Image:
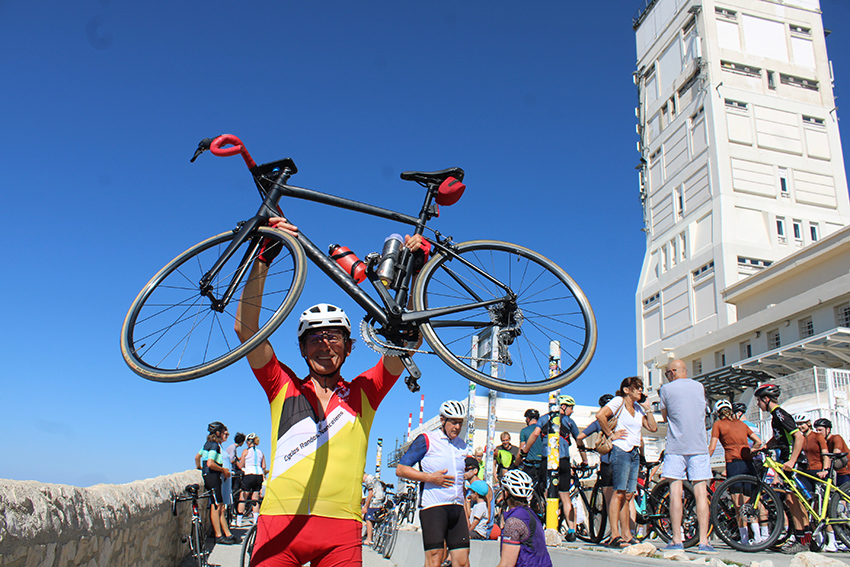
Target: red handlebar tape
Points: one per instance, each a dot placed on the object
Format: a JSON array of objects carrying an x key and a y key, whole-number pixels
[{"x": 237, "y": 147}]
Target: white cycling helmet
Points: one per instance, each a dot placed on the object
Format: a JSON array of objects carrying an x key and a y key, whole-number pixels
[
  {"x": 722, "y": 404},
  {"x": 801, "y": 418},
  {"x": 518, "y": 484},
  {"x": 322, "y": 315},
  {"x": 452, "y": 409}
]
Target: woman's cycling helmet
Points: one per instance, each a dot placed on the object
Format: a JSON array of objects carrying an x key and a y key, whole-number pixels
[
  {"x": 823, "y": 422},
  {"x": 801, "y": 418},
  {"x": 739, "y": 407},
  {"x": 251, "y": 437},
  {"x": 452, "y": 409},
  {"x": 605, "y": 399},
  {"x": 518, "y": 484},
  {"x": 322, "y": 315},
  {"x": 721, "y": 404},
  {"x": 480, "y": 487},
  {"x": 215, "y": 427},
  {"x": 566, "y": 401},
  {"x": 768, "y": 391},
  {"x": 532, "y": 413}
]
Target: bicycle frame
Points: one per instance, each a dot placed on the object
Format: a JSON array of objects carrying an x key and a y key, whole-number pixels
[
  {"x": 392, "y": 315},
  {"x": 822, "y": 517}
]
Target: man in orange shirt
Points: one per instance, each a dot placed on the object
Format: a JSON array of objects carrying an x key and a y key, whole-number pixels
[{"x": 835, "y": 444}]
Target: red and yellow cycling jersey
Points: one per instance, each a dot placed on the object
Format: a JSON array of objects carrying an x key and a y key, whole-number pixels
[{"x": 318, "y": 456}]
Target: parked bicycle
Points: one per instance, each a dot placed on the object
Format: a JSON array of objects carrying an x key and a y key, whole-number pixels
[
  {"x": 407, "y": 501},
  {"x": 196, "y": 539},
  {"x": 248, "y": 547},
  {"x": 587, "y": 517},
  {"x": 385, "y": 530},
  {"x": 178, "y": 326},
  {"x": 753, "y": 499}
]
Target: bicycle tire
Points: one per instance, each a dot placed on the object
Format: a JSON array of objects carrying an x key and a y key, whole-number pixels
[
  {"x": 248, "y": 547},
  {"x": 839, "y": 508},
  {"x": 170, "y": 307},
  {"x": 723, "y": 509},
  {"x": 390, "y": 536},
  {"x": 199, "y": 543},
  {"x": 658, "y": 507},
  {"x": 585, "y": 531},
  {"x": 549, "y": 306}
]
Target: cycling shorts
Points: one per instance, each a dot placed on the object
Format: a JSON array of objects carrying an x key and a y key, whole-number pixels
[
  {"x": 606, "y": 475},
  {"x": 252, "y": 482},
  {"x": 284, "y": 541},
  {"x": 212, "y": 481},
  {"x": 446, "y": 523}
]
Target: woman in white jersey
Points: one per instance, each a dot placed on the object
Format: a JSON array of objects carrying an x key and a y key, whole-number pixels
[{"x": 253, "y": 464}]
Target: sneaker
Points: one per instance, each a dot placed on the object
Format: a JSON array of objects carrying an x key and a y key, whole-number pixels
[
  {"x": 793, "y": 547},
  {"x": 673, "y": 547},
  {"x": 571, "y": 536},
  {"x": 706, "y": 549},
  {"x": 831, "y": 548}
]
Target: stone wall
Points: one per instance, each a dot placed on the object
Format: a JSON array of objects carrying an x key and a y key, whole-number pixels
[{"x": 107, "y": 525}]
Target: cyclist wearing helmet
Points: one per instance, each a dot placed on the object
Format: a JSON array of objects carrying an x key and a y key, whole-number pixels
[
  {"x": 788, "y": 441},
  {"x": 320, "y": 430},
  {"x": 835, "y": 444},
  {"x": 440, "y": 454},
  {"x": 733, "y": 435},
  {"x": 523, "y": 537},
  {"x": 531, "y": 454},
  {"x": 606, "y": 479},
  {"x": 211, "y": 462},
  {"x": 567, "y": 429}
]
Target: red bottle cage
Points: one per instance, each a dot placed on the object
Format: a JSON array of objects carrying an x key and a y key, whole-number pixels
[{"x": 236, "y": 148}]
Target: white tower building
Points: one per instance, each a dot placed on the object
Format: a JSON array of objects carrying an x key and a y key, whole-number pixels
[{"x": 741, "y": 164}]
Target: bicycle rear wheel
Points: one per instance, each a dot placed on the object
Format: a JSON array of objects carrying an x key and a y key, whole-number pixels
[
  {"x": 174, "y": 333},
  {"x": 248, "y": 547},
  {"x": 658, "y": 508},
  {"x": 535, "y": 302},
  {"x": 757, "y": 500},
  {"x": 390, "y": 536},
  {"x": 198, "y": 542}
]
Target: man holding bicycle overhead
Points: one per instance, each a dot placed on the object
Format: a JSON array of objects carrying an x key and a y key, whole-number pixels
[
  {"x": 320, "y": 431},
  {"x": 788, "y": 441}
]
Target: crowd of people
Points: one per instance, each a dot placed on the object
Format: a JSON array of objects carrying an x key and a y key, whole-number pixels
[{"x": 313, "y": 508}]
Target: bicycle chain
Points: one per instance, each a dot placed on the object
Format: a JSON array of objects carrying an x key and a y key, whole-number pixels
[{"x": 371, "y": 338}]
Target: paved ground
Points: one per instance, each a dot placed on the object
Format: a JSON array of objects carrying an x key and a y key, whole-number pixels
[{"x": 408, "y": 554}]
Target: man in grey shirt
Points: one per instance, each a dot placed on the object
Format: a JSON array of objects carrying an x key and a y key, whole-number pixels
[{"x": 686, "y": 455}]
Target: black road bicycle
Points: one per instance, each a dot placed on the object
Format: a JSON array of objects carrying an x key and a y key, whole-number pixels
[
  {"x": 196, "y": 539},
  {"x": 385, "y": 529},
  {"x": 488, "y": 309}
]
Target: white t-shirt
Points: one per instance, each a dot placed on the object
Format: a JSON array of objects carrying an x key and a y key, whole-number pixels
[
  {"x": 631, "y": 423},
  {"x": 479, "y": 511}
]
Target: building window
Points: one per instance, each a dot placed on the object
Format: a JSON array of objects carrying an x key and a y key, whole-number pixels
[
  {"x": 683, "y": 244},
  {"x": 740, "y": 69},
  {"x": 651, "y": 300},
  {"x": 726, "y": 14},
  {"x": 783, "y": 182},
  {"x": 807, "y": 328},
  {"x": 696, "y": 367},
  {"x": 735, "y": 105},
  {"x": 780, "y": 230},
  {"x": 814, "y": 231},
  {"x": 674, "y": 252},
  {"x": 773, "y": 339},
  {"x": 812, "y": 121},
  {"x": 842, "y": 315},
  {"x": 800, "y": 30},
  {"x": 746, "y": 350},
  {"x": 702, "y": 270},
  {"x": 798, "y": 232},
  {"x": 800, "y": 82},
  {"x": 679, "y": 195},
  {"x": 771, "y": 80},
  {"x": 719, "y": 359}
]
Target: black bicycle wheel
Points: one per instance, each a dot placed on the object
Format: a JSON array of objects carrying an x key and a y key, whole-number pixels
[
  {"x": 174, "y": 333},
  {"x": 757, "y": 500},
  {"x": 198, "y": 542},
  {"x": 390, "y": 536},
  {"x": 839, "y": 513},
  {"x": 593, "y": 515},
  {"x": 658, "y": 510},
  {"x": 534, "y": 303},
  {"x": 248, "y": 547}
]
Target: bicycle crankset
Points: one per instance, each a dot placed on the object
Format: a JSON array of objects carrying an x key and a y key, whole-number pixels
[{"x": 377, "y": 342}]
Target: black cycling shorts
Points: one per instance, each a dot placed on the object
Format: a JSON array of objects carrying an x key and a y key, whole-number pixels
[
  {"x": 606, "y": 475},
  {"x": 212, "y": 481},
  {"x": 565, "y": 478},
  {"x": 252, "y": 482},
  {"x": 446, "y": 523}
]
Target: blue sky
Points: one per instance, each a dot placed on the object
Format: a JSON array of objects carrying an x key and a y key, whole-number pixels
[{"x": 104, "y": 102}]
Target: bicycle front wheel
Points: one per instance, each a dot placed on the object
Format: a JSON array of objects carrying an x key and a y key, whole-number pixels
[
  {"x": 248, "y": 547},
  {"x": 199, "y": 543},
  {"x": 746, "y": 498},
  {"x": 505, "y": 344},
  {"x": 390, "y": 536},
  {"x": 176, "y": 331},
  {"x": 839, "y": 513},
  {"x": 658, "y": 508}
]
